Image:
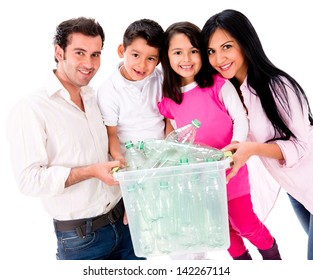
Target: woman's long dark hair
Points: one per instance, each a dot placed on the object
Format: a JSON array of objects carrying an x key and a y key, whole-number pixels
[
  {"x": 263, "y": 76},
  {"x": 172, "y": 81}
]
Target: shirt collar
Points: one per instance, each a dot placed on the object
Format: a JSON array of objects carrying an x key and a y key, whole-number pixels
[
  {"x": 244, "y": 88},
  {"x": 189, "y": 87},
  {"x": 54, "y": 86}
]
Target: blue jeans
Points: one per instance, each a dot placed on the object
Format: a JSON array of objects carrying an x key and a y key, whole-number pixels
[
  {"x": 112, "y": 242},
  {"x": 306, "y": 220}
]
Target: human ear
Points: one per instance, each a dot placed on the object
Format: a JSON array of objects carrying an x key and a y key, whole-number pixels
[
  {"x": 120, "y": 50},
  {"x": 58, "y": 52}
]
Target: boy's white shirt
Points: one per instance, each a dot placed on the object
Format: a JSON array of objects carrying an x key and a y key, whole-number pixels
[{"x": 134, "y": 111}]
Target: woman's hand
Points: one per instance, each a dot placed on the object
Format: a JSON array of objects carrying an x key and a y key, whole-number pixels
[{"x": 241, "y": 153}]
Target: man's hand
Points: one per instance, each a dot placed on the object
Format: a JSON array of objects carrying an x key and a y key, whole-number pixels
[{"x": 103, "y": 171}]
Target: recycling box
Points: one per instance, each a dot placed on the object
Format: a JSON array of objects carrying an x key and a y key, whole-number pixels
[{"x": 177, "y": 209}]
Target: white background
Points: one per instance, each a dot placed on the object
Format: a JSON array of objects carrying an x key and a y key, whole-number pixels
[{"x": 28, "y": 244}]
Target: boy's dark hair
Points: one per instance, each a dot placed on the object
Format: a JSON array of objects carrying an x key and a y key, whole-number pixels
[
  {"x": 86, "y": 26},
  {"x": 146, "y": 29},
  {"x": 172, "y": 81}
]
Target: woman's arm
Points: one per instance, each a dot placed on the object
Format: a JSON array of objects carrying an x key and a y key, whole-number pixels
[
  {"x": 243, "y": 151},
  {"x": 230, "y": 98}
]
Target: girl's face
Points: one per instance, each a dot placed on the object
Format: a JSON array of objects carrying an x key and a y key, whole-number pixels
[
  {"x": 140, "y": 60},
  {"x": 184, "y": 58},
  {"x": 226, "y": 57}
]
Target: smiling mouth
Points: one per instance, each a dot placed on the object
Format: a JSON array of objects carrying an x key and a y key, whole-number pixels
[
  {"x": 226, "y": 67},
  {"x": 85, "y": 72},
  {"x": 184, "y": 67},
  {"x": 139, "y": 72}
]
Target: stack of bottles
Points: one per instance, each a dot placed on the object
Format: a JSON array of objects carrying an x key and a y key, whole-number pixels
[
  {"x": 175, "y": 195},
  {"x": 153, "y": 153}
]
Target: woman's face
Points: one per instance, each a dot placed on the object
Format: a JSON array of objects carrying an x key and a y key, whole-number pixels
[{"x": 225, "y": 55}]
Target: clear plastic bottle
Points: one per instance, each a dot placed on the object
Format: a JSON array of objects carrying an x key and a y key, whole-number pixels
[
  {"x": 164, "y": 223},
  {"x": 141, "y": 228},
  {"x": 134, "y": 159},
  {"x": 186, "y": 209},
  {"x": 140, "y": 146},
  {"x": 215, "y": 203},
  {"x": 163, "y": 156},
  {"x": 204, "y": 153},
  {"x": 147, "y": 198},
  {"x": 150, "y": 146},
  {"x": 200, "y": 217},
  {"x": 184, "y": 134}
]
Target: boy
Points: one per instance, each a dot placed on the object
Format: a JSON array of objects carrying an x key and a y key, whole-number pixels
[{"x": 128, "y": 98}]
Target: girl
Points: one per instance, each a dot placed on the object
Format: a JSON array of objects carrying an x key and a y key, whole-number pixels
[
  {"x": 279, "y": 115},
  {"x": 190, "y": 93}
]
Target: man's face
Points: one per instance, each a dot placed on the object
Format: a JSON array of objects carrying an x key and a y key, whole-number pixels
[{"x": 80, "y": 61}]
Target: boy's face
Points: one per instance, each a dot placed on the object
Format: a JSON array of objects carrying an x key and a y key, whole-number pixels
[{"x": 140, "y": 60}]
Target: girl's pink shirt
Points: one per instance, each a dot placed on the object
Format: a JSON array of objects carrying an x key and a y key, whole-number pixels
[{"x": 216, "y": 125}]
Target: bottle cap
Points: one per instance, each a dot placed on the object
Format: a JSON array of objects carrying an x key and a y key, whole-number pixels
[
  {"x": 140, "y": 145},
  {"x": 163, "y": 185},
  {"x": 131, "y": 188},
  {"x": 129, "y": 144},
  {"x": 196, "y": 123},
  {"x": 184, "y": 161}
]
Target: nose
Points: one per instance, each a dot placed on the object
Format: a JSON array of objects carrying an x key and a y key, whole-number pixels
[
  {"x": 219, "y": 57},
  {"x": 88, "y": 62},
  {"x": 142, "y": 63},
  {"x": 186, "y": 57}
]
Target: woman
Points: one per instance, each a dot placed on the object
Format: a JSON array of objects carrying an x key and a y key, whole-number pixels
[{"x": 280, "y": 119}]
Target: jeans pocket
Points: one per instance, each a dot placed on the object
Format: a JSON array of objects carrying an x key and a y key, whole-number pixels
[{"x": 70, "y": 240}]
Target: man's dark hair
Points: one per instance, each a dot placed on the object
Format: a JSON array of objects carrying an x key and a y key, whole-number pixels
[{"x": 86, "y": 26}]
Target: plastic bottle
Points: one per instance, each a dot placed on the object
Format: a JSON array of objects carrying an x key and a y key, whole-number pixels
[
  {"x": 144, "y": 239},
  {"x": 140, "y": 146},
  {"x": 184, "y": 134},
  {"x": 147, "y": 198},
  {"x": 163, "y": 156},
  {"x": 186, "y": 208},
  {"x": 165, "y": 221},
  {"x": 204, "y": 153},
  {"x": 200, "y": 217},
  {"x": 134, "y": 159},
  {"x": 215, "y": 201}
]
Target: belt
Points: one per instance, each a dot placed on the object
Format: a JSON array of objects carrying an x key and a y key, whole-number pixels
[{"x": 97, "y": 222}]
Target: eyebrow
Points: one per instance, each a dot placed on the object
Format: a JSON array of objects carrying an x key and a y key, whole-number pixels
[
  {"x": 175, "y": 49},
  {"x": 83, "y": 50},
  {"x": 134, "y": 50},
  {"x": 80, "y": 49},
  {"x": 230, "y": 41}
]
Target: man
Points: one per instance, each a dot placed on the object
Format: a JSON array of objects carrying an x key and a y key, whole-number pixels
[{"x": 59, "y": 149}]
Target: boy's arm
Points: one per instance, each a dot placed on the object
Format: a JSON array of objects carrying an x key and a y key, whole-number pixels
[
  {"x": 114, "y": 144},
  {"x": 168, "y": 126}
]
